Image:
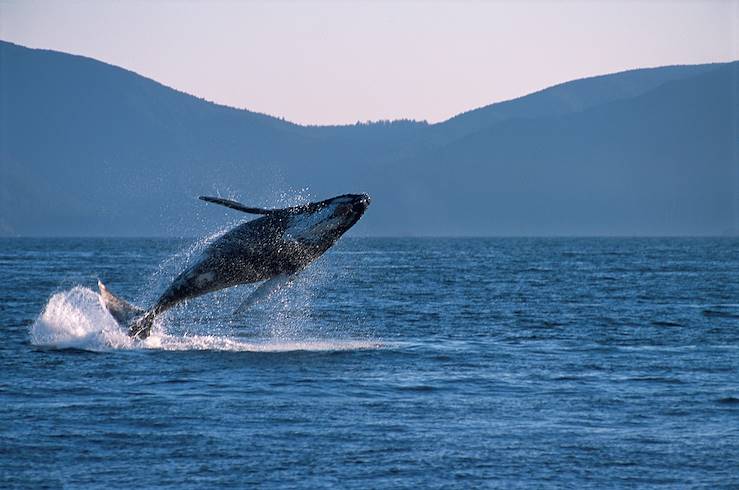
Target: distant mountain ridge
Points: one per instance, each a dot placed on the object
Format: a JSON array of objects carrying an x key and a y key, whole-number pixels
[
  {"x": 87, "y": 148},
  {"x": 576, "y": 95}
]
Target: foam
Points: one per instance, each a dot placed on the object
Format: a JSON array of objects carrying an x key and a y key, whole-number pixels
[
  {"x": 222, "y": 343},
  {"x": 77, "y": 319}
]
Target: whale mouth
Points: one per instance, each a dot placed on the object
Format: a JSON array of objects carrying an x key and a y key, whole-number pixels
[
  {"x": 365, "y": 200},
  {"x": 360, "y": 204},
  {"x": 354, "y": 208}
]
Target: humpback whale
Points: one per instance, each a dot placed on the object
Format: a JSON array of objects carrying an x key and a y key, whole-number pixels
[{"x": 273, "y": 249}]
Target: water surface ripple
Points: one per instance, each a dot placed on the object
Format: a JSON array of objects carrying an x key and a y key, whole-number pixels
[{"x": 427, "y": 363}]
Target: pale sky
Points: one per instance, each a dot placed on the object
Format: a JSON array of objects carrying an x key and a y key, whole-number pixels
[{"x": 338, "y": 62}]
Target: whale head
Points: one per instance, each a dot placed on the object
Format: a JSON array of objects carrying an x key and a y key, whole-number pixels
[{"x": 324, "y": 222}]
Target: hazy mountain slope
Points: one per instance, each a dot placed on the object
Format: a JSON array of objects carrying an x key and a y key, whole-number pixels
[
  {"x": 92, "y": 142},
  {"x": 665, "y": 162},
  {"x": 89, "y": 148},
  {"x": 95, "y": 148},
  {"x": 573, "y": 96}
]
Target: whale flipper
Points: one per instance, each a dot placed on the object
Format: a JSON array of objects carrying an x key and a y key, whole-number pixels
[
  {"x": 265, "y": 290},
  {"x": 236, "y": 205}
]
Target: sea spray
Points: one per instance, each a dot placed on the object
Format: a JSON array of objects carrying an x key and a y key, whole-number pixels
[{"x": 76, "y": 319}]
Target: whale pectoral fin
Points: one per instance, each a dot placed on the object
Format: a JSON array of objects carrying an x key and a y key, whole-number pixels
[
  {"x": 236, "y": 205},
  {"x": 265, "y": 290}
]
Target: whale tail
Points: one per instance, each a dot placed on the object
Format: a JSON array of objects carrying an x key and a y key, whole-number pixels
[{"x": 137, "y": 320}]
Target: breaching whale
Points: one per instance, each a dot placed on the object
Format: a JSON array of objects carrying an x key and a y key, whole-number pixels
[{"x": 273, "y": 249}]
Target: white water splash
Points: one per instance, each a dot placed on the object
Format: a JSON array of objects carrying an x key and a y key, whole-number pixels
[{"x": 76, "y": 318}]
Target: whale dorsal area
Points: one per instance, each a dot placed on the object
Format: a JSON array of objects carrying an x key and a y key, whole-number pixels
[{"x": 236, "y": 205}]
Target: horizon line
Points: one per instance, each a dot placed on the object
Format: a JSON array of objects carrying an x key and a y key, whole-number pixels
[{"x": 732, "y": 235}]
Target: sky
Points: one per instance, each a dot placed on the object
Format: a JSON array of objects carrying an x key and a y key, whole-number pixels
[{"x": 332, "y": 62}]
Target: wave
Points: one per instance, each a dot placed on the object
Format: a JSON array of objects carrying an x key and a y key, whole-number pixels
[{"x": 77, "y": 319}]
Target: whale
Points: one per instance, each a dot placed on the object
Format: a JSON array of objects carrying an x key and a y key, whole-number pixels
[{"x": 271, "y": 249}]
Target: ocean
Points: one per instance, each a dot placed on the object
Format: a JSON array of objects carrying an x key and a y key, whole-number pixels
[{"x": 405, "y": 363}]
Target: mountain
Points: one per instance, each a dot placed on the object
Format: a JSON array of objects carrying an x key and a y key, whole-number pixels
[
  {"x": 662, "y": 163},
  {"x": 87, "y": 148},
  {"x": 574, "y": 96}
]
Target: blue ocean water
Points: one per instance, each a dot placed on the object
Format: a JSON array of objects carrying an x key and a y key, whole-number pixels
[{"x": 511, "y": 363}]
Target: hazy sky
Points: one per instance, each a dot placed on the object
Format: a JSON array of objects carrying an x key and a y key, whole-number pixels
[{"x": 339, "y": 62}]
